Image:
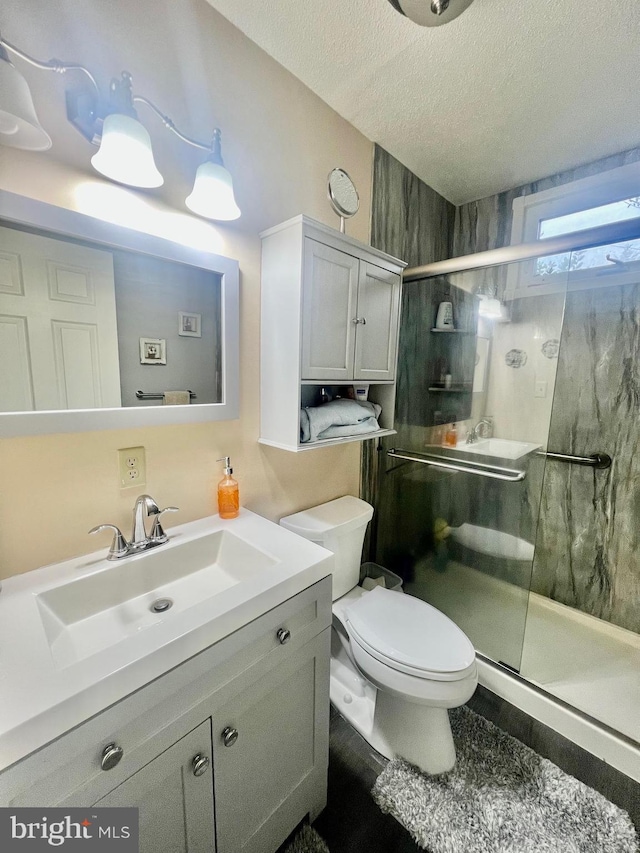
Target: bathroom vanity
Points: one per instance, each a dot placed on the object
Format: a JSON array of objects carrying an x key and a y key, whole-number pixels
[{"x": 212, "y": 720}]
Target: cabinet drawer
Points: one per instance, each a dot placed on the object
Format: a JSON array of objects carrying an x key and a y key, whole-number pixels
[{"x": 68, "y": 771}]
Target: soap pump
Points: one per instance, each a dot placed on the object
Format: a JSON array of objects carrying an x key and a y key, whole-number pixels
[{"x": 228, "y": 493}]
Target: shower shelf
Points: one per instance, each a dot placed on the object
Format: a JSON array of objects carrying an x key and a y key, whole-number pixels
[
  {"x": 455, "y": 389},
  {"x": 452, "y": 332}
]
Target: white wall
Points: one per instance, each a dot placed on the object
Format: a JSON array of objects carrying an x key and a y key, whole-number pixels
[{"x": 280, "y": 141}]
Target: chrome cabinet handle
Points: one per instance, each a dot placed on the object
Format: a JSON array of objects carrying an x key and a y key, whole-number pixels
[
  {"x": 361, "y": 320},
  {"x": 200, "y": 764},
  {"x": 283, "y": 635},
  {"x": 111, "y": 755},
  {"x": 229, "y": 736}
]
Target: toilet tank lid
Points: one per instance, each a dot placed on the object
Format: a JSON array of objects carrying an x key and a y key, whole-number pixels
[{"x": 343, "y": 514}]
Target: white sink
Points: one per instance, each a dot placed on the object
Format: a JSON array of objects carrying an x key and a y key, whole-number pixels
[
  {"x": 78, "y": 636},
  {"x": 502, "y": 448},
  {"x": 93, "y": 613}
]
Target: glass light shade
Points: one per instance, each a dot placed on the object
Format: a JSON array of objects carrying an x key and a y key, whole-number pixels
[
  {"x": 125, "y": 153},
  {"x": 212, "y": 194},
  {"x": 19, "y": 125}
]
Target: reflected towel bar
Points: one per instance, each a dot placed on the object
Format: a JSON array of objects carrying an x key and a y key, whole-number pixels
[
  {"x": 142, "y": 395},
  {"x": 493, "y": 472},
  {"x": 596, "y": 460}
]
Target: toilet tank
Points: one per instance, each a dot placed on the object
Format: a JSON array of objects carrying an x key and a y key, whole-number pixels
[{"x": 339, "y": 526}]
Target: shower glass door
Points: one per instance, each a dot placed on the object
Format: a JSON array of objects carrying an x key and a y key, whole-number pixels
[{"x": 458, "y": 507}]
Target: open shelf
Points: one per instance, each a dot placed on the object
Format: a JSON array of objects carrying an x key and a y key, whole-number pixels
[{"x": 452, "y": 332}]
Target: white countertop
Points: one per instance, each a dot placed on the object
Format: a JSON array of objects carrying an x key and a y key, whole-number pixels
[{"x": 40, "y": 700}]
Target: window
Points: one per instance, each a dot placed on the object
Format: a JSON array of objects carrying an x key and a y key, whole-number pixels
[{"x": 609, "y": 197}]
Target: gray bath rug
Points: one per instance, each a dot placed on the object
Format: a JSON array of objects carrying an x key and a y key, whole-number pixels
[
  {"x": 307, "y": 840},
  {"x": 501, "y": 797}
]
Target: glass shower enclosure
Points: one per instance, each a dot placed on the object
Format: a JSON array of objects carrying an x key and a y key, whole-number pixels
[{"x": 493, "y": 496}]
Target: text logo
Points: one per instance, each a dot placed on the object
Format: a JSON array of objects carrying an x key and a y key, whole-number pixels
[{"x": 103, "y": 830}]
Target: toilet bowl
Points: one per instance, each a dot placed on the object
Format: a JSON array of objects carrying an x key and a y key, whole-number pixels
[{"x": 397, "y": 663}]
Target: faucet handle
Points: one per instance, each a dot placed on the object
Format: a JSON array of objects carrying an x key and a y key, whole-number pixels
[
  {"x": 157, "y": 535},
  {"x": 119, "y": 546}
]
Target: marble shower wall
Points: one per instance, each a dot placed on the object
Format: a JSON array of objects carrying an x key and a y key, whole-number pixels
[
  {"x": 589, "y": 532},
  {"x": 413, "y": 222}
]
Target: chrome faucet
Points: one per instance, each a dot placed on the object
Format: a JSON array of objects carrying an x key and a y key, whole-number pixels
[
  {"x": 477, "y": 431},
  {"x": 140, "y": 540}
]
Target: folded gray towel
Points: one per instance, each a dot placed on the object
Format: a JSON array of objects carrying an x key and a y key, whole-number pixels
[{"x": 338, "y": 419}]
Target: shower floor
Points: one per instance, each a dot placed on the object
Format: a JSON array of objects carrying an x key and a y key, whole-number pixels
[{"x": 584, "y": 661}]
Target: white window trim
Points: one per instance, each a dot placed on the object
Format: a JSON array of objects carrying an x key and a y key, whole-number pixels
[{"x": 528, "y": 210}]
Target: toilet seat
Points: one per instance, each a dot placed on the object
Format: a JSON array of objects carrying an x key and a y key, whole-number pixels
[{"x": 410, "y": 636}]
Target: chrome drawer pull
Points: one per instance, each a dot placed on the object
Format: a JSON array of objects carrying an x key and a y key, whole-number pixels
[
  {"x": 283, "y": 635},
  {"x": 229, "y": 736},
  {"x": 111, "y": 755},
  {"x": 200, "y": 764}
]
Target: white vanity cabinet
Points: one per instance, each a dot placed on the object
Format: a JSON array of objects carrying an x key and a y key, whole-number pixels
[
  {"x": 330, "y": 317},
  {"x": 227, "y": 752}
]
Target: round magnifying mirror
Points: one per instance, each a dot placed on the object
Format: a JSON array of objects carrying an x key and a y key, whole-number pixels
[{"x": 342, "y": 195}]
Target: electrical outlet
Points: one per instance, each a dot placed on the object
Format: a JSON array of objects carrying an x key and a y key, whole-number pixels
[{"x": 132, "y": 467}]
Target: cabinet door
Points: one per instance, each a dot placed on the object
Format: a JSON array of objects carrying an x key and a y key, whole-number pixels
[
  {"x": 275, "y": 772},
  {"x": 176, "y": 806},
  {"x": 377, "y": 330},
  {"x": 330, "y": 285}
]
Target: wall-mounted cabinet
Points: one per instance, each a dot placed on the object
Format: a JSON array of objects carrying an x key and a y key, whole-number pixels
[{"x": 330, "y": 317}]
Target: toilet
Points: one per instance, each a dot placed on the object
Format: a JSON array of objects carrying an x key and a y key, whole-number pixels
[{"x": 397, "y": 663}]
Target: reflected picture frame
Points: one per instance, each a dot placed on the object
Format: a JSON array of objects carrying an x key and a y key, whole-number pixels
[
  {"x": 189, "y": 324},
  {"x": 153, "y": 351}
]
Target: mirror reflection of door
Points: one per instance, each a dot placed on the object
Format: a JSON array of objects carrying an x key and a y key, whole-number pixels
[{"x": 58, "y": 333}]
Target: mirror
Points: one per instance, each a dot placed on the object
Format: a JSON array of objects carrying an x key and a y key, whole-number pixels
[{"x": 105, "y": 327}]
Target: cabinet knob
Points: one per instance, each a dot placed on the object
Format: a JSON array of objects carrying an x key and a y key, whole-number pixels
[
  {"x": 283, "y": 635},
  {"x": 363, "y": 321},
  {"x": 200, "y": 764},
  {"x": 111, "y": 755},
  {"x": 229, "y": 736},
  {"x": 359, "y": 320}
]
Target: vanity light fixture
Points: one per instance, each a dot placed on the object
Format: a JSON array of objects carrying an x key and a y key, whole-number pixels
[{"x": 125, "y": 154}]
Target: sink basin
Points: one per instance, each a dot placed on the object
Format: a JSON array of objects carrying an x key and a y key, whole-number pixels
[
  {"x": 93, "y": 613},
  {"x": 502, "y": 448}
]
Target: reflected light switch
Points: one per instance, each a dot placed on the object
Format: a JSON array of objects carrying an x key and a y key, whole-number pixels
[{"x": 541, "y": 388}]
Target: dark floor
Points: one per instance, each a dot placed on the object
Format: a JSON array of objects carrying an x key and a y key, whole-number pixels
[{"x": 352, "y": 822}]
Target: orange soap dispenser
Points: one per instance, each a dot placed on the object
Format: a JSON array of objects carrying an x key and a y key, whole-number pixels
[{"x": 228, "y": 492}]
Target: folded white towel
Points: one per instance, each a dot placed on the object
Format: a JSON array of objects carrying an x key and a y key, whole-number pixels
[
  {"x": 337, "y": 419},
  {"x": 176, "y": 398}
]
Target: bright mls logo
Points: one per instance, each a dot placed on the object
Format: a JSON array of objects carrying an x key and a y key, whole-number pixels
[{"x": 72, "y": 830}]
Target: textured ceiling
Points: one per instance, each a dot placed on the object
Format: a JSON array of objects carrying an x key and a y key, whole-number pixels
[{"x": 511, "y": 91}]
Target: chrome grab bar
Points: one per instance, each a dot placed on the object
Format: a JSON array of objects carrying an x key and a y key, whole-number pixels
[
  {"x": 143, "y": 395},
  {"x": 595, "y": 460},
  {"x": 493, "y": 472}
]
